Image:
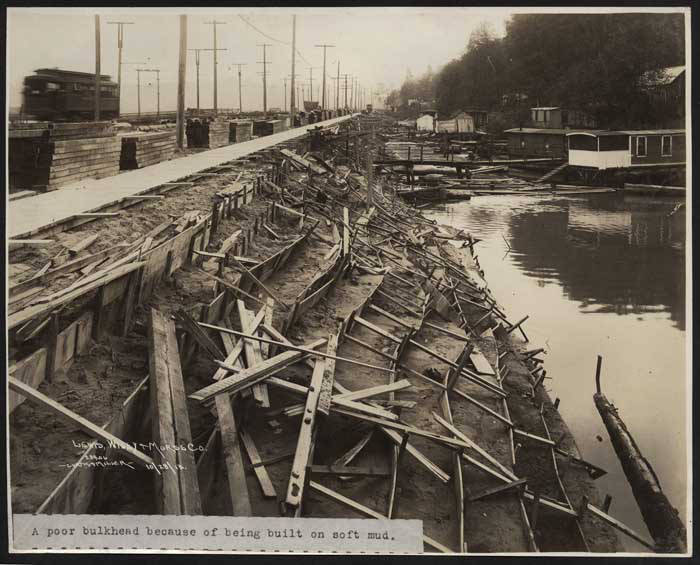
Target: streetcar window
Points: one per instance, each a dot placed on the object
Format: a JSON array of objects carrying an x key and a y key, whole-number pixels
[{"x": 52, "y": 86}]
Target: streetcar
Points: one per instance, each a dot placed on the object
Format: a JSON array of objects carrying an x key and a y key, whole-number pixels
[{"x": 59, "y": 95}]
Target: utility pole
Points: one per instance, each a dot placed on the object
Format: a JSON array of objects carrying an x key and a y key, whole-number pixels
[
  {"x": 345, "y": 89},
  {"x": 120, "y": 45},
  {"x": 292, "y": 105},
  {"x": 214, "y": 23},
  {"x": 97, "y": 68},
  {"x": 196, "y": 62},
  {"x": 285, "y": 94},
  {"x": 323, "y": 104},
  {"x": 311, "y": 83},
  {"x": 240, "y": 93},
  {"x": 337, "y": 87},
  {"x": 181, "y": 74},
  {"x": 264, "y": 63}
]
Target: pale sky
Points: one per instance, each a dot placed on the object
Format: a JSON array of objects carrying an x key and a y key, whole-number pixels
[{"x": 377, "y": 45}]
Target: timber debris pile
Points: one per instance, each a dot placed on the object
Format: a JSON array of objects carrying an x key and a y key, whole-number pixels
[{"x": 295, "y": 339}]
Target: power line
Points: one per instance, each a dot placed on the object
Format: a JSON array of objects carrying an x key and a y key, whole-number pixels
[{"x": 273, "y": 38}]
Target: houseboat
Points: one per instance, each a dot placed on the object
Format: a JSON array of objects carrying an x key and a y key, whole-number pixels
[{"x": 627, "y": 149}]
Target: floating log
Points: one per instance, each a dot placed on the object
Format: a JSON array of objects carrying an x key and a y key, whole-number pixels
[{"x": 662, "y": 519}]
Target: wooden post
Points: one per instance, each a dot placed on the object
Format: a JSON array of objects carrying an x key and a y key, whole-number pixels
[
  {"x": 214, "y": 218},
  {"x": 606, "y": 503},
  {"x": 97, "y": 68},
  {"x": 597, "y": 374},
  {"x": 51, "y": 343},
  {"x": 181, "y": 74}
]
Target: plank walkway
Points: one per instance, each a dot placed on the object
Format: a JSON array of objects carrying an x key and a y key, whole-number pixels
[{"x": 29, "y": 214}]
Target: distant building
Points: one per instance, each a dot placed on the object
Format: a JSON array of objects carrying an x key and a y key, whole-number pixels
[
  {"x": 426, "y": 122},
  {"x": 666, "y": 84},
  {"x": 557, "y": 118},
  {"x": 537, "y": 142},
  {"x": 466, "y": 122}
]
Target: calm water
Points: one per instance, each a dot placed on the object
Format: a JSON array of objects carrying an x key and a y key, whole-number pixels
[{"x": 600, "y": 274}]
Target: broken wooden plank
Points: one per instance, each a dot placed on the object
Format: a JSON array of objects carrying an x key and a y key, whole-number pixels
[
  {"x": 45, "y": 307},
  {"x": 324, "y": 400},
  {"x": 334, "y": 470},
  {"x": 251, "y": 375},
  {"x": 85, "y": 425},
  {"x": 473, "y": 445},
  {"x": 189, "y": 487},
  {"x": 82, "y": 244},
  {"x": 269, "y": 313},
  {"x": 297, "y": 478},
  {"x": 252, "y": 349},
  {"x": 346, "y": 232},
  {"x": 298, "y": 348},
  {"x": 198, "y": 334},
  {"x": 235, "y": 471},
  {"x": 167, "y": 485},
  {"x": 456, "y": 474},
  {"x": 505, "y": 487},
  {"x": 30, "y": 242},
  {"x": 268, "y": 490},
  {"x": 260, "y": 284},
  {"x": 374, "y": 391}
]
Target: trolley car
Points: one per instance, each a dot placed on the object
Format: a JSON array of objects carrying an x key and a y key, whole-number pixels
[{"x": 57, "y": 95}]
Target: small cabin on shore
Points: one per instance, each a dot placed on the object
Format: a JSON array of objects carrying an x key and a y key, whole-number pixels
[
  {"x": 426, "y": 122},
  {"x": 626, "y": 149}
]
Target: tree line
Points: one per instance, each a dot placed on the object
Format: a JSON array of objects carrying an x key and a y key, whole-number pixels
[{"x": 587, "y": 62}]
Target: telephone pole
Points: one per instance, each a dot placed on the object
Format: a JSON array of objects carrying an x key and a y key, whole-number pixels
[
  {"x": 285, "y": 94},
  {"x": 311, "y": 83},
  {"x": 120, "y": 45},
  {"x": 196, "y": 62},
  {"x": 323, "y": 104},
  {"x": 264, "y": 63},
  {"x": 214, "y": 23},
  {"x": 181, "y": 74},
  {"x": 345, "y": 89},
  {"x": 97, "y": 68},
  {"x": 292, "y": 105},
  {"x": 337, "y": 87},
  {"x": 240, "y": 93}
]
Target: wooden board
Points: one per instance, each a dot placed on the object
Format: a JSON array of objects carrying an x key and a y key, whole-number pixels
[
  {"x": 268, "y": 489},
  {"x": 235, "y": 471},
  {"x": 295, "y": 489},
  {"x": 189, "y": 487},
  {"x": 250, "y": 376},
  {"x": 252, "y": 349},
  {"x": 324, "y": 399},
  {"x": 168, "y": 497}
]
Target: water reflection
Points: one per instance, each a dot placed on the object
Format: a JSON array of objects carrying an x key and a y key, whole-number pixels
[{"x": 611, "y": 253}]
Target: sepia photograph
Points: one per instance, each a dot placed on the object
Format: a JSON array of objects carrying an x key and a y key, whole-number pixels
[{"x": 357, "y": 280}]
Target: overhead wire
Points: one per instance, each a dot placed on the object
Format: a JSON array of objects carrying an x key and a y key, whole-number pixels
[{"x": 273, "y": 38}]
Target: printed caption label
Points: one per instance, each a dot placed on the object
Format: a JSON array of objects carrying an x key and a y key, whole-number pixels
[{"x": 214, "y": 533}]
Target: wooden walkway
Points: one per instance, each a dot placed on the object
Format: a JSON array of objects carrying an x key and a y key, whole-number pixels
[{"x": 28, "y": 215}]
